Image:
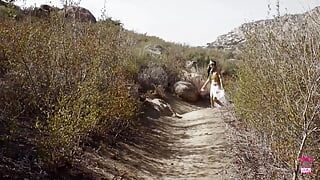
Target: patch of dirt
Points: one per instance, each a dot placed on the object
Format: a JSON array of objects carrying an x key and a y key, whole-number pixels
[{"x": 192, "y": 147}]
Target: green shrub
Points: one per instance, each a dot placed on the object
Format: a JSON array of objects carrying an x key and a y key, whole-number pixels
[
  {"x": 64, "y": 81},
  {"x": 278, "y": 89}
]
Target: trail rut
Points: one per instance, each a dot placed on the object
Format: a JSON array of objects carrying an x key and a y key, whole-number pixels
[
  {"x": 201, "y": 152},
  {"x": 192, "y": 147}
]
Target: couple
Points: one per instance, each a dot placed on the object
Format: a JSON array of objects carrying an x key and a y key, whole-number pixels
[{"x": 216, "y": 89}]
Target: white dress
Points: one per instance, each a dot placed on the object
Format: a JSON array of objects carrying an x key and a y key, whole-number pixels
[{"x": 216, "y": 92}]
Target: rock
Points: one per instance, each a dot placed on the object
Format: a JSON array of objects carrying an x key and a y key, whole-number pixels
[
  {"x": 187, "y": 91},
  {"x": 47, "y": 8},
  {"x": 192, "y": 66},
  {"x": 43, "y": 11},
  {"x": 160, "y": 106},
  {"x": 155, "y": 49},
  {"x": 133, "y": 91},
  {"x": 78, "y": 13},
  {"x": 195, "y": 78},
  {"x": 229, "y": 40},
  {"x": 289, "y": 22}
]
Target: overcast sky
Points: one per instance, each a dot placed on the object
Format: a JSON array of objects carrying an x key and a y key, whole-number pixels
[{"x": 192, "y": 22}]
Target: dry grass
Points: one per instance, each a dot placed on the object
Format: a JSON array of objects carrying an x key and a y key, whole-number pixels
[
  {"x": 61, "y": 82},
  {"x": 278, "y": 90},
  {"x": 253, "y": 157}
]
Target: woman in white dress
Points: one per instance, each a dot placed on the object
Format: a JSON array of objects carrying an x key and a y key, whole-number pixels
[{"x": 216, "y": 89}]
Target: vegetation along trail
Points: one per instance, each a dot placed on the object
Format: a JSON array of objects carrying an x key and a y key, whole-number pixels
[{"x": 195, "y": 146}]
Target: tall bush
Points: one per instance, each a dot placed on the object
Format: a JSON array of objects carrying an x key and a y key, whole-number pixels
[
  {"x": 61, "y": 82},
  {"x": 279, "y": 88}
]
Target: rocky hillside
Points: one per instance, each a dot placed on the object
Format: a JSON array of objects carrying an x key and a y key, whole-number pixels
[
  {"x": 236, "y": 37},
  {"x": 11, "y": 11}
]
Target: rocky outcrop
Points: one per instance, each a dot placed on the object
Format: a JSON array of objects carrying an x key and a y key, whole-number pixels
[
  {"x": 43, "y": 11},
  {"x": 47, "y": 8},
  {"x": 235, "y": 38},
  {"x": 196, "y": 79},
  {"x": 78, "y": 13},
  {"x": 9, "y": 11},
  {"x": 228, "y": 40},
  {"x": 155, "y": 49},
  {"x": 187, "y": 91}
]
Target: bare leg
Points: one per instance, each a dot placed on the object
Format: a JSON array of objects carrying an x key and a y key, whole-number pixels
[
  {"x": 212, "y": 102},
  {"x": 218, "y": 102}
]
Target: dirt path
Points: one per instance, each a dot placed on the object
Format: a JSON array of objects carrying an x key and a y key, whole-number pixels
[
  {"x": 202, "y": 150},
  {"x": 192, "y": 147}
]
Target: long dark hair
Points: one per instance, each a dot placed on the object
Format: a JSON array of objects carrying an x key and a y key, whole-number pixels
[{"x": 210, "y": 69}]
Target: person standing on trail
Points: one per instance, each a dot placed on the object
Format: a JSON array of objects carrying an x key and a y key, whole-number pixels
[{"x": 216, "y": 89}]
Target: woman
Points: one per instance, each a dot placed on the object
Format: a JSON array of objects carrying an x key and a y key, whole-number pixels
[{"x": 216, "y": 89}]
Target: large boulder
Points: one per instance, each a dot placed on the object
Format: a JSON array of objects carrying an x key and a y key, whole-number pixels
[
  {"x": 47, "y": 8},
  {"x": 78, "y": 13},
  {"x": 75, "y": 13},
  {"x": 196, "y": 79},
  {"x": 157, "y": 107},
  {"x": 187, "y": 91},
  {"x": 160, "y": 106}
]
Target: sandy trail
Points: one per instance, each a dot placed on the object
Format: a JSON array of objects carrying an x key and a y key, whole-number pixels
[
  {"x": 202, "y": 150},
  {"x": 192, "y": 147}
]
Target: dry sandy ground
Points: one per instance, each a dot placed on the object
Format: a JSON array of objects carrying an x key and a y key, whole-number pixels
[
  {"x": 192, "y": 147},
  {"x": 202, "y": 150}
]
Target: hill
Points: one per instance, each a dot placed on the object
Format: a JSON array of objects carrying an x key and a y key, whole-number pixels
[{"x": 237, "y": 36}]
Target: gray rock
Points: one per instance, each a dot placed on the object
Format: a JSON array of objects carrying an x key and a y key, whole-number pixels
[
  {"x": 290, "y": 22},
  {"x": 160, "y": 106},
  {"x": 187, "y": 91},
  {"x": 155, "y": 49},
  {"x": 229, "y": 40},
  {"x": 192, "y": 66},
  {"x": 195, "y": 78},
  {"x": 78, "y": 13},
  {"x": 47, "y": 8}
]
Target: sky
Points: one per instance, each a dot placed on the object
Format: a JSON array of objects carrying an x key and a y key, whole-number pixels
[{"x": 189, "y": 22}]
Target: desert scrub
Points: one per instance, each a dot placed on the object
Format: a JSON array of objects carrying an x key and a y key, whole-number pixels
[
  {"x": 278, "y": 89},
  {"x": 62, "y": 81},
  {"x": 173, "y": 58}
]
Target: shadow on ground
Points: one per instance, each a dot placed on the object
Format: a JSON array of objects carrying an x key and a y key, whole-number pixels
[{"x": 165, "y": 148}]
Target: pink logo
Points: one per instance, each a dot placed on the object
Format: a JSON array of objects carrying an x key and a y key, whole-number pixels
[{"x": 306, "y": 164}]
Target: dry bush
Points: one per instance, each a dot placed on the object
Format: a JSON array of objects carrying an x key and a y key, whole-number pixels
[
  {"x": 279, "y": 87},
  {"x": 151, "y": 75},
  {"x": 174, "y": 59},
  {"x": 60, "y": 83}
]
